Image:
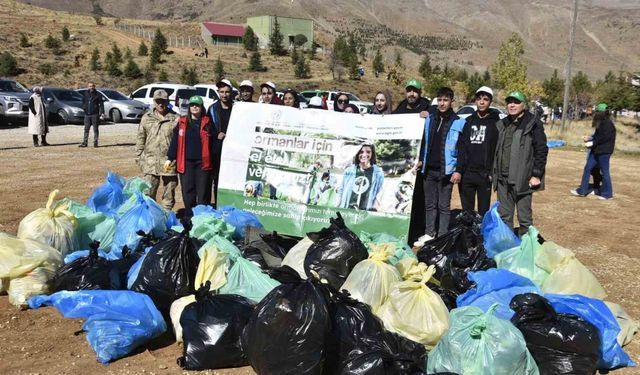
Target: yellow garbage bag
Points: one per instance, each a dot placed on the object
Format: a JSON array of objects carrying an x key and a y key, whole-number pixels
[
  {"x": 566, "y": 274},
  {"x": 214, "y": 263},
  {"x": 32, "y": 284},
  {"x": 54, "y": 226},
  {"x": 628, "y": 326},
  {"x": 175, "y": 312},
  {"x": 295, "y": 256},
  {"x": 415, "y": 311},
  {"x": 370, "y": 280}
]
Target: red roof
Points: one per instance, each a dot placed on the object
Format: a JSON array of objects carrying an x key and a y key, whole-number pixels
[{"x": 224, "y": 29}]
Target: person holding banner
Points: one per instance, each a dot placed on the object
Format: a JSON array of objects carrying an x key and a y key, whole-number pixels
[
  {"x": 191, "y": 150},
  {"x": 362, "y": 181},
  {"x": 268, "y": 93}
]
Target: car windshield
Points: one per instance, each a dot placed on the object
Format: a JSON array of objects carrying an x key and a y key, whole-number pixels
[
  {"x": 67, "y": 95},
  {"x": 353, "y": 98},
  {"x": 12, "y": 86},
  {"x": 114, "y": 95}
]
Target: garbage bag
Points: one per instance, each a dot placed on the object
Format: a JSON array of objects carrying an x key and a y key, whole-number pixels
[
  {"x": 175, "y": 312},
  {"x": 628, "y": 325},
  {"x": 89, "y": 272},
  {"x": 212, "y": 330},
  {"x": 289, "y": 329},
  {"x": 136, "y": 185},
  {"x": 559, "y": 343},
  {"x": 239, "y": 219},
  {"x": 108, "y": 196},
  {"x": 31, "y": 284},
  {"x": 132, "y": 275},
  {"x": 146, "y": 216},
  {"x": 566, "y": 274},
  {"x": 497, "y": 235},
  {"x": 336, "y": 250},
  {"x": 246, "y": 279},
  {"x": 214, "y": 262},
  {"x": 295, "y": 257},
  {"x": 54, "y": 226},
  {"x": 402, "y": 250},
  {"x": 480, "y": 343},
  {"x": 496, "y": 286},
  {"x": 597, "y": 313},
  {"x": 438, "y": 252},
  {"x": 169, "y": 269},
  {"x": 254, "y": 255},
  {"x": 90, "y": 225},
  {"x": 117, "y": 321},
  {"x": 119, "y": 268},
  {"x": 70, "y": 257},
  {"x": 415, "y": 311},
  {"x": 19, "y": 256},
  {"x": 449, "y": 297},
  {"x": 271, "y": 246},
  {"x": 206, "y": 226},
  {"x": 460, "y": 264},
  {"x": 522, "y": 259},
  {"x": 370, "y": 280}
]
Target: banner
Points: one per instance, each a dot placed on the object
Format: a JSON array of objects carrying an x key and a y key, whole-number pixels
[{"x": 296, "y": 168}]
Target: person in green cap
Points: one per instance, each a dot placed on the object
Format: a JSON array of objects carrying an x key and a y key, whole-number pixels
[
  {"x": 191, "y": 150},
  {"x": 413, "y": 102},
  {"x": 520, "y": 161},
  {"x": 601, "y": 145}
]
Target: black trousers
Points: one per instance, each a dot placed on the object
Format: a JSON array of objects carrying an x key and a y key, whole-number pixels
[
  {"x": 475, "y": 184},
  {"x": 217, "y": 157},
  {"x": 196, "y": 186},
  {"x": 437, "y": 202}
]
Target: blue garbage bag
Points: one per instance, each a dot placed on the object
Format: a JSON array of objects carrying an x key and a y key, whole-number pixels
[
  {"x": 146, "y": 216},
  {"x": 108, "y": 196},
  {"x": 497, "y": 235},
  {"x": 132, "y": 275},
  {"x": 117, "y": 321},
  {"x": 172, "y": 220},
  {"x": 202, "y": 209},
  {"x": 496, "y": 286},
  {"x": 83, "y": 253},
  {"x": 553, "y": 143},
  {"x": 240, "y": 219},
  {"x": 597, "y": 313}
]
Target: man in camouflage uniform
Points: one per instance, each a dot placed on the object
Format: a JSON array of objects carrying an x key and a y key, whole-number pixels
[{"x": 154, "y": 136}]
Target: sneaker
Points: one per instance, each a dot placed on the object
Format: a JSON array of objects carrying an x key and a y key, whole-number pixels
[
  {"x": 82, "y": 145},
  {"x": 604, "y": 198},
  {"x": 95, "y": 145},
  {"x": 422, "y": 240},
  {"x": 575, "y": 192}
]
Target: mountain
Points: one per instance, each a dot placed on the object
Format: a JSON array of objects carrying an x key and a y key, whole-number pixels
[{"x": 606, "y": 32}]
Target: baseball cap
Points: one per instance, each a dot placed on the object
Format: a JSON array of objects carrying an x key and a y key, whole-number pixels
[
  {"x": 413, "y": 83},
  {"x": 224, "y": 82},
  {"x": 316, "y": 101},
  {"x": 160, "y": 94},
  {"x": 602, "y": 107},
  {"x": 269, "y": 84},
  {"x": 486, "y": 90},
  {"x": 196, "y": 99},
  {"x": 246, "y": 83},
  {"x": 518, "y": 95}
]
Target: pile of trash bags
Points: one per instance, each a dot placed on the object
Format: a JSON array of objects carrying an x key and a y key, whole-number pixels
[{"x": 477, "y": 300}]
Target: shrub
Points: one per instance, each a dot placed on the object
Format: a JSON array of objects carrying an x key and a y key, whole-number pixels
[
  {"x": 52, "y": 43},
  {"x": 65, "y": 34},
  {"x": 24, "y": 41},
  {"x": 46, "y": 69},
  {"x": 8, "y": 64}
]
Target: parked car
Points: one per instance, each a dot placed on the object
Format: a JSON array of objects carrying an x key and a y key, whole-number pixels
[
  {"x": 118, "y": 107},
  {"x": 64, "y": 106},
  {"x": 363, "y": 106},
  {"x": 145, "y": 93},
  {"x": 181, "y": 105},
  {"x": 467, "y": 110},
  {"x": 14, "y": 102},
  {"x": 303, "y": 101},
  {"x": 209, "y": 93}
]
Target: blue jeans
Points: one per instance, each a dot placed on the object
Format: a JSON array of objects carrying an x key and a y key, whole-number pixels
[{"x": 602, "y": 161}]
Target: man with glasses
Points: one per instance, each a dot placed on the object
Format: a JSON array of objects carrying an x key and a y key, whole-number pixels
[
  {"x": 246, "y": 91},
  {"x": 220, "y": 113},
  {"x": 519, "y": 162},
  {"x": 413, "y": 102},
  {"x": 268, "y": 93},
  {"x": 154, "y": 136},
  {"x": 93, "y": 105}
]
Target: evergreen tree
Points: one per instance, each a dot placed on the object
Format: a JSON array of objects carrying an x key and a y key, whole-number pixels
[
  {"x": 553, "y": 89},
  {"x": 255, "y": 63},
  {"x": 294, "y": 56},
  {"x": 250, "y": 40},
  {"x": 94, "y": 62},
  {"x": 162, "y": 76},
  {"x": 131, "y": 69},
  {"x": 509, "y": 70},
  {"x": 312, "y": 51},
  {"x": 398, "y": 60},
  {"x": 219, "y": 70},
  {"x": 111, "y": 66},
  {"x": 65, "y": 34},
  {"x": 127, "y": 54},
  {"x": 275, "y": 40},
  {"x": 378, "y": 64},
  {"x": 302, "y": 68},
  {"x": 24, "y": 41},
  {"x": 486, "y": 78},
  {"x": 148, "y": 76},
  {"x": 8, "y": 64},
  {"x": 142, "y": 49},
  {"x": 189, "y": 75},
  {"x": 581, "y": 89},
  {"x": 474, "y": 82},
  {"x": 117, "y": 55},
  {"x": 425, "y": 67},
  {"x": 158, "y": 47},
  {"x": 353, "y": 67},
  {"x": 52, "y": 43}
]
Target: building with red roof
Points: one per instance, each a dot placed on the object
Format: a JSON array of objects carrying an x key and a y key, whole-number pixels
[{"x": 217, "y": 33}]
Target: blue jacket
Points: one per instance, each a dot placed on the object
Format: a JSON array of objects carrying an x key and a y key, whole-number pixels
[
  {"x": 450, "y": 142},
  {"x": 349, "y": 178}
]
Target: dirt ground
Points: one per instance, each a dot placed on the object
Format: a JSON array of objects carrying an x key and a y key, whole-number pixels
[{"x": 603, "y": 234}]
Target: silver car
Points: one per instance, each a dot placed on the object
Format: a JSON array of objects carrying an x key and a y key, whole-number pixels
[
  {"x": 14, "y": 102},
  {"x": 64, "y": 106},
  {"x": 119, "y": 107}
]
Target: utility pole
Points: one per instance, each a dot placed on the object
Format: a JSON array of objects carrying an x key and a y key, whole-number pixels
[{"x": 567, "y": 67}]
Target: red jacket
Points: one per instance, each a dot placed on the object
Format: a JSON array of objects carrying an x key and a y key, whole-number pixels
[{"x": 205, "y": 124}]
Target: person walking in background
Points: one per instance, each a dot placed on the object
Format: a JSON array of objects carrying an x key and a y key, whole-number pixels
[
  {"x": 220, "y": 113},
  {"x": 246, "y": 91},
  {"x": 602, "y": 144},
  {"x": 191, "y": 150},
  {"x": 38, "y": 124},
  {"x": 519, "y": 162},
  {"x": 476, "y": 148},
  {"x": 382, "y": 103},
  {"x": 93, "y": 105},
  {"x": 290, "y": 98},
  {"x": 154, "y": 136}
]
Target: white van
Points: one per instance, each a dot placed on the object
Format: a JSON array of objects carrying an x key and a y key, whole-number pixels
[{"x": 145, "y": 93}]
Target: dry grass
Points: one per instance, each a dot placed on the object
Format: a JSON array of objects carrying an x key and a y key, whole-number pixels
[{"x": 627, "y": 137}]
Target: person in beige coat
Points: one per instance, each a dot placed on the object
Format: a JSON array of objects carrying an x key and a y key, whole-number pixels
[
  {"x": 154, "y": 135},
  {"x": 38, "y": 125}
]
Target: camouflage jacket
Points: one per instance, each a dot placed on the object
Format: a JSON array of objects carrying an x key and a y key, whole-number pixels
[{"x": 154, "y": 136}]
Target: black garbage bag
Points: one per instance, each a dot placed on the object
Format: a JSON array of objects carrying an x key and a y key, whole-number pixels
[
  {"x": 360, "y": 345},
  {"x": 438, "y": 251},
  {"x": 90, "y": 272},
  {"x": 334, "y": 253},
  {"x": 289, "y": 329},
  {"x": 448, "y": 296},
  {"x": 559, "y": 343},
  {"x": 169, "y": 269},
  {"x": 211, "y": 330},
  {"x": 253, "y": 254},
  {"x": 460, "y": 263},
  {"x": 272, "y": 247},
  {"x": 120, "y": 268}
]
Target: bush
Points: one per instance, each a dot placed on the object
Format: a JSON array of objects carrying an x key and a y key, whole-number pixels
[
  {"x": 299, "y": 40},
  {"x": 189, "y": 75},
  {"x": 52, "y": 43},
  {"x": 65, "y": 34},
  {"x": 162, "y": 76},
  {"x": 117, "y": 55},
  {"x": 46, "y": 69},
  {"x": 24, "y": 41},
  {"x": 131, "y": 69},
  {"x": 8, "y": 64},
  {"x": 302, "y": 69},
  {"x": 142, "y": 49},
  {"x": 98, "y": 20},
  {"x": 255, "y": 63},
  {"x": 94, "y": 63}
]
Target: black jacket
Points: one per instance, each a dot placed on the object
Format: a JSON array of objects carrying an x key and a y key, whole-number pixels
[
  {"x": 423, "y": 105},
  {"x": 92, "y": 103},
  {"x": 604, "y": 138},
  {"x": 477, "y": 144}
]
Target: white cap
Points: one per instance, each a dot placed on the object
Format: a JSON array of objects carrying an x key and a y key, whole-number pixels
[
  {"x": 486, "y": 90},
  {"x": 246, "y": 83},
  {"x": 269, "y": 84},
  {"x": 224, "y": 82},
  {"x": 316, "y": 100}
]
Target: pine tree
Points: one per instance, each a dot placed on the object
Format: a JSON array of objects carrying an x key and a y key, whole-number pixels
[
  {"x": 250, "y": 40},
  {"x": 294, "y": 56},
  {"x": 275, "y": 40},
  {"x": 398, "y": 60},
  {"x": 24, "y": 41},
  {"x": 509, "y": 70},
  {"x": 131, "y": 69},
  {"x": 65, "y": 34},
  {"x": 117, "y": 55},
  {"x": 8, "y": 64},
  {"x": 302, "y": 68},
  {"x": 486, "y": 78},
  {"x": 162, "y": 76},
  {"x": 127, "y": 54},
  {"x": 312, "y": 51},
  {"x": 189, "y": 75},
  {"x": 142, "y": 49},
  {"x": 158, "y": 47},
  {"x": 148, "y": 76},
  {"x": 378, "y": 64},
  {"x": 255, "y": 63},
  {"x": 218, "y": 69},
  {"x": 425, "y": 68},
  {"x": 353, "y": 67},
  {"x": 110, "y": 65},
  {"x": 52, "y": 43},
  {"x": 94, "y": 62}
]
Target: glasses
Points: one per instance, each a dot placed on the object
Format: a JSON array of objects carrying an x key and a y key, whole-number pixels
[
  {"x": 343, "y": 101},
  {"x": 194, "y": 105},
  {"x": 514, "y": 101},
  {"x": 266, "y": 93}
]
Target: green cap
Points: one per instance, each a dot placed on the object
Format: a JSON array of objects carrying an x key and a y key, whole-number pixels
[
  {"x": 196, "y": 99},
  {"x": 602, "y": 107},
  {"x": 518, "y": 95},
  {"x": 413, "y": 83}
]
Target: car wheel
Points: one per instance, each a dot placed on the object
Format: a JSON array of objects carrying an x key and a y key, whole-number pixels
[
  {"x": 116, "y": 116},
  {"x": 63, "y": 119},
  {"x": 3, "y": 121}
]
